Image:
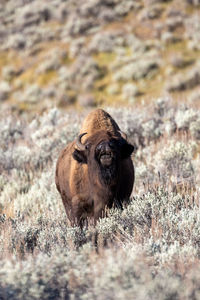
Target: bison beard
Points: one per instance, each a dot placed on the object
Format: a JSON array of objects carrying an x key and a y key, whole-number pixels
[
  {"x": 108, "y": 174},
  {"x": 107, "y": 158},
  {"x": 96, "y": 173}
]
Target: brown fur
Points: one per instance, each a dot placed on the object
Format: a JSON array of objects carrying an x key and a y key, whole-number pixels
[
  {"x": 98, "y": 120},
  {"x": 83, "y": 191}
]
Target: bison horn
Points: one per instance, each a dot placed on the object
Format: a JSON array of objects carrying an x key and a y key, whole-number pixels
[
  {"x": 123, "y": 135},
  {"x": 79, "y": 145}
]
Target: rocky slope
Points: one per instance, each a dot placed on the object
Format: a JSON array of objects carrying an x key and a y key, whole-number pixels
[{"x": 90, "y": 52}]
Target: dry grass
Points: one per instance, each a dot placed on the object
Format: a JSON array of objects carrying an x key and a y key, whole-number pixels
[{"x": 150, "y": 250}]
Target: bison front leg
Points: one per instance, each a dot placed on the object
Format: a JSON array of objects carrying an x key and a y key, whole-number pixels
[
  {"x": 81, "y": 210},
  {"x": 99, "y": 210}
]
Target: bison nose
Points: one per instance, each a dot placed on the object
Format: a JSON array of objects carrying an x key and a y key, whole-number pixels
[{"x": 105, "y": 146}]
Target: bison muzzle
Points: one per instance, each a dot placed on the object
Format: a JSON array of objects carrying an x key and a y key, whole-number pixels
[{"x": 96, "y": 173}]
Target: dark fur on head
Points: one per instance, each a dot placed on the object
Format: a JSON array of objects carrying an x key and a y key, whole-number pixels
[{"x": 103, "y": 154}]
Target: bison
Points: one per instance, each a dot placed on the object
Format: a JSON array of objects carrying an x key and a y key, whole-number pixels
[{"x": 95, "y": 171}]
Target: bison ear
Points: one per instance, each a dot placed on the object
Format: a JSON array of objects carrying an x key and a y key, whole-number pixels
[
  {"x": 126, "y": 150},
  {"x": 79, "y": 156}
]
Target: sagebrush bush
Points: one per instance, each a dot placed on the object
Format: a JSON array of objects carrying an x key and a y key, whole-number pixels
[{"x": 148, "y": 250}]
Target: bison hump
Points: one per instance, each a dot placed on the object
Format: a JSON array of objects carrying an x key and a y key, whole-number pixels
[{"x": 98, "y": 119}]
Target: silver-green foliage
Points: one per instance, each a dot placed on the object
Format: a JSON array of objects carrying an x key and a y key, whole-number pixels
[{"x": 149, "y": 250}]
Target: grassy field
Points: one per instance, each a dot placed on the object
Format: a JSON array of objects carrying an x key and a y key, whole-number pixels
[{"x": 150, "y": 250}]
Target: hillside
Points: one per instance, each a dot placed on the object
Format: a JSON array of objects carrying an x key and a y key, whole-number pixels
[
  {"x": 93, "y": 52},
  {"x": 139, "y": 60}
]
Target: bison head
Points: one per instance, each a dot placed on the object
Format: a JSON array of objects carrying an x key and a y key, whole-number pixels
[{"x": 103, "y": 151}]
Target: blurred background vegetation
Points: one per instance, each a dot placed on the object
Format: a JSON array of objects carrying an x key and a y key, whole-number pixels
[{"x": 88, "y": 53}]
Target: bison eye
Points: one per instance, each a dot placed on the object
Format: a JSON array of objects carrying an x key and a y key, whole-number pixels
[
  {"x": 87, "y": 146},
  {"x": 112, "y": 144}
]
